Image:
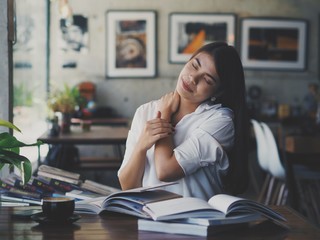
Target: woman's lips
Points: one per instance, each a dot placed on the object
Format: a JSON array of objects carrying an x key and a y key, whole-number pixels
[{"x": 186, "y": 86}]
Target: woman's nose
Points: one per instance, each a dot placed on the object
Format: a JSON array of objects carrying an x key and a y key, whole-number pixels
[{"x": 192, "y": 79}]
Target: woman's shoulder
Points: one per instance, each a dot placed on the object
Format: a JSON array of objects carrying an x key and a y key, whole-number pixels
[
  {"x": 148, "y": 105},
  {"x": 148, "y": 109}
]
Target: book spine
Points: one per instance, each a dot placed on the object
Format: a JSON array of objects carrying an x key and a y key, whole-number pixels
[
  {"x": 101, "y": 186},
  {"x": 13, "y": 204},
  {"x": 95, "y": 189},
  {"x": 20, "y": 200},
  {"x": 60, "y": 172},
  {"x": 61, "y": 178},
  {"x": 46, "y": 188},
  {"x": 20, "y": 193},
  {"x": 6, "y": 186},
  {"x": 26, "y": 187},
  {"x": 62, "y": 186}
]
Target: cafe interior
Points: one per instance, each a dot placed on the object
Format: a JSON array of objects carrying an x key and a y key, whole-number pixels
[{"x": 98, "y": 54}]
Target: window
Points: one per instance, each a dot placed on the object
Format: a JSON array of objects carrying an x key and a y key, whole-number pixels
[{"x": 30, "y": 73}]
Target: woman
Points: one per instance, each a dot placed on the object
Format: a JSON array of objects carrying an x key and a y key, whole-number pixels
[{"x": 195, "y": 135}]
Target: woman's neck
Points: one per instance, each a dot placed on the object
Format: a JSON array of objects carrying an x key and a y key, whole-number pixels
[{"x": 185, "y": 108}]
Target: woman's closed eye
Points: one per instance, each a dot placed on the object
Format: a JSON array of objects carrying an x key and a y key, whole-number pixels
[
  {"x": 194, "y": 66},
  {"x": 209, "y": 81}
]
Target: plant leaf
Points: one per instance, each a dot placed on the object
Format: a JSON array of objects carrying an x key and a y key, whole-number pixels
[
  {"x": 8, "y": 141},
  {"x": 19, "y": 161},
  {"x": 26, "y": 171},
  {"x": 9, "y": 125}
]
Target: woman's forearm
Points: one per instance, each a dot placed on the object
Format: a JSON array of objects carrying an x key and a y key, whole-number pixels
[
  {"x": 132, "y": 173},
  {"x": 167, "y": 167}
]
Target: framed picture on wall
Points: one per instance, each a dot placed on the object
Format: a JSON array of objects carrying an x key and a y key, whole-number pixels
[
  {"x": 189, "y": 31},
  {"x": 274, "y": 44},
  {"x": 131, "y": 44}
]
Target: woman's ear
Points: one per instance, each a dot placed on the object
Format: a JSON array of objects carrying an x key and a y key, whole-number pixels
[{"x": 219, "y": 93}]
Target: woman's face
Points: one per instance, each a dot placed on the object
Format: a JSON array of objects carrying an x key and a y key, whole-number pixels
[{"x": 198, "y": 80}]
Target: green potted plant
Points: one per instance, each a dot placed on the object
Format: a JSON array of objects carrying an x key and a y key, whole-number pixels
[
  {"x": 10, "y": 152},
  {"x": 66, "y": 101}
]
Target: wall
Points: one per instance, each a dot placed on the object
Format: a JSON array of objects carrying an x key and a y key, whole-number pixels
[
  {"x": 125, "y": 95},
  {"x": 4, "y": 65},
  {"x": 4, "y": 71}
]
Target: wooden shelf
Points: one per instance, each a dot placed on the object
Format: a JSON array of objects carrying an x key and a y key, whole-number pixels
[{"x": 98, "y": 163}]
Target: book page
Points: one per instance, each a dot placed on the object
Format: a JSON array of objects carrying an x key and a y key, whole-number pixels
[
  {"x": 231, "y": 204},
  {"x": 90, "y": 204},
  {"x": 222, "y": 202},
  {"x": 142, "y": 189},
  {"x": 179, "y": 208}
]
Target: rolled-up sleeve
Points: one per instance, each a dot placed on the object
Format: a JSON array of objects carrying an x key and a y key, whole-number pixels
[
  {"x": 200, "y": 150},
  {"x": 207, "y": 144}
]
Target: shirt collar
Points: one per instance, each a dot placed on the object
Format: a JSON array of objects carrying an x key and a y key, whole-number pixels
[{"x": 206, "y": 106}]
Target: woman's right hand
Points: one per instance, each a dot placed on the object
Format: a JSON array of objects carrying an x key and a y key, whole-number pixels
[
  {"x": 154, "y": 130},
  {"x": 169, "y": 104}
]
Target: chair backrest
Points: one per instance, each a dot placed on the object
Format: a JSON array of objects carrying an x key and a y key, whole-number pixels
[
  {"x": 262, "y": 148},
  {"x": 275, "y": 166}
]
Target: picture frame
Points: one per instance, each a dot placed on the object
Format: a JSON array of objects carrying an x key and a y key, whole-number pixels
[
  {"x": 189, "y": 31},
  {"x": 274, "y": 43},
  {"x": 131, "y": 44}
]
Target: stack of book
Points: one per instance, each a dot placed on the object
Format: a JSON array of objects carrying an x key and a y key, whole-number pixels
[
  {"x": 59, "y": 174},
  {"x": 14, "y": 193},
  {"x": 49, "y": 181}
]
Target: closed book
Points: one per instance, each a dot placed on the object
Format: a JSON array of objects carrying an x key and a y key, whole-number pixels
[
  {"x": 62, "y": 186},
  {"x": 87, "y": 185},
  {"x": 8, "y": 198},
  {"x": 26, "y": 187},
  {"x": 13, "y": 204},
  {"x": 61, "y": 178},
  {"x": 43, "y": 186},
  {"x": 14, "y": 182},
  {"x": 59, "y": 172},
  {"x": 219, "y": 218},
  {"x": 185, "y": 228},
  {"x": 109, "y": 189},
  {"x": 21, "y": 193},
  {"x": 5, "y": 185}
]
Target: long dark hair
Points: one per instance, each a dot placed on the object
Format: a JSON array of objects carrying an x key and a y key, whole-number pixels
[{"x": 230, "y": 71}]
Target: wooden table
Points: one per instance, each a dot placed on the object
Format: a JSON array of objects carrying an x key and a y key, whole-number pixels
[
  {"x": 103, "y": 121},
  {"x": 118, "y": 226},
  {"x": 102, "y": 135}
]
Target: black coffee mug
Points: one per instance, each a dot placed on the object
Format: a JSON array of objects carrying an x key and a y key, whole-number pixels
[{"x": 58, "y": 208}]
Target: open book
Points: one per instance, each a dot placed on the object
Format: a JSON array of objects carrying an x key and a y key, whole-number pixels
[
  {"x": 129, "y": 202},
  {"x": 193, "y": 208}
]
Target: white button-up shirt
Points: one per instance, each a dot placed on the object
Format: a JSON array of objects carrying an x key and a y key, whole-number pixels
[{"x": 201, "y": 140}]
